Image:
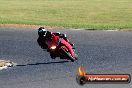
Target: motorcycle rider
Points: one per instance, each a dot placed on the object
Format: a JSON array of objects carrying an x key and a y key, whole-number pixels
[{"x": 45, "y": 36}]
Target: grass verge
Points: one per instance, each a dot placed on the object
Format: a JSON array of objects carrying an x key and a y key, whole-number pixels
[{"x": 95, "y": 14}]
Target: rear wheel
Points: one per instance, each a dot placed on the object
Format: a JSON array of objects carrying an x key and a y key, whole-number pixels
[{"x": 68, "y": 55}]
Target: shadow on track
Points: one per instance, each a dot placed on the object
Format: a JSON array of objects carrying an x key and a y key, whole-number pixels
[{"x": 44, "y": 63}]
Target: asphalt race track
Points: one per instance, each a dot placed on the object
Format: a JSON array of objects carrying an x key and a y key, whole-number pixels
[{"x": 100, "y": 52}]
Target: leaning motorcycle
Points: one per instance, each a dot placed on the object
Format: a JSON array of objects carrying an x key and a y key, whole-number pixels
[{"x": 61, "y": 48}]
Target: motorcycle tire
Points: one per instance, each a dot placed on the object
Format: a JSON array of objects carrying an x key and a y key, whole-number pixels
[{"x": 68, "y": 55}]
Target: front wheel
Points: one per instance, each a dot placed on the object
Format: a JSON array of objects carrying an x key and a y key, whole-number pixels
[{"x": 67, "y": 54}]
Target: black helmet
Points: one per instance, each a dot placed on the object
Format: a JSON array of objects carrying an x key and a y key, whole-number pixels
[{"x": 42, "y": 31}]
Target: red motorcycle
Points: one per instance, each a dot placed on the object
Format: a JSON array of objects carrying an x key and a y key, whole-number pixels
[{"x": 61, "y": 48}]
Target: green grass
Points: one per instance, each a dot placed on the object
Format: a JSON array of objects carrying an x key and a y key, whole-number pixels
[{"x": 98, "y": 14}]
